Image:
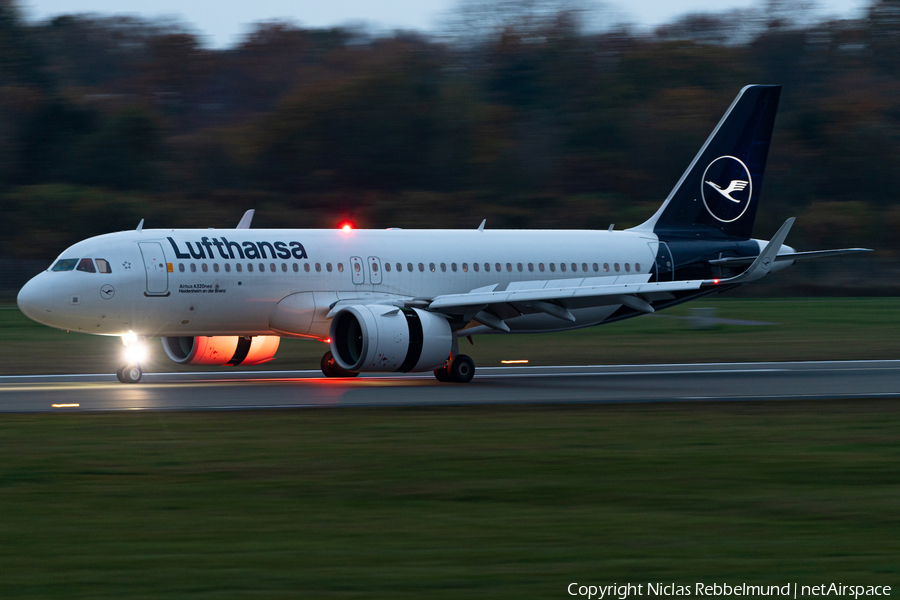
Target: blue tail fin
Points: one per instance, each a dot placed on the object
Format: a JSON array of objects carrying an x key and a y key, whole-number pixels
[{"x": 718, "y": 194}]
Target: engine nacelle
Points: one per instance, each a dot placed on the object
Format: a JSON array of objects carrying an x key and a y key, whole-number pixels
[
  {"x": 373, "y": 337},
  {"x": 221, "y": 350}
]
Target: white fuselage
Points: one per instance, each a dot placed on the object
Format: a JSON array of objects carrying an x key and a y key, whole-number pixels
[{"x": 184, "y": 283}]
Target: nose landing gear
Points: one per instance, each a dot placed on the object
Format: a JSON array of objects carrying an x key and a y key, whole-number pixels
[
  {"x": 135, "y": 353},
  {"x": 129, "y": 373}
]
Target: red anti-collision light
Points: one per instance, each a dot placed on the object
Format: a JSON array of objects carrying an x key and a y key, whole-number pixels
[
  {"x": 347, "y": 226},
  {"x": 715, "y": 282}
]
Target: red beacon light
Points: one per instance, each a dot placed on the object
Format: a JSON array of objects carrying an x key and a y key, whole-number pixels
[
  {"x": 346, "y": 227},
  {"x": 715, "y": 282}
]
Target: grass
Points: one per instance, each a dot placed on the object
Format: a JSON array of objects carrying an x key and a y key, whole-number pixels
[
  {"x": 490, "y": 502},
  {"x": 805, "y": 329}
]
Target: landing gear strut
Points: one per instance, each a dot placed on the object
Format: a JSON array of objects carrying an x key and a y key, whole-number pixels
[
  {"x": 331, "y": 369},
  {"x": 459, "y": 369},
  {"x": 135, "y": 353},
  {"x": 129, "y": 373}
]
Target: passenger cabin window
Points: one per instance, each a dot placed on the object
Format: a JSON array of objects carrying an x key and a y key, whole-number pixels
[
  {"x": 508, "y": 267},
  {"x": 204, "y": 267},
  {"x": 194, "y": 268},
  {"x": 387, "y": 267},
  {"x": 238, "y": 267},
  {"x": 562, "y": 267},
  {"x": 487, "y": 267},
  {"x": 497, "y": 267},
  {"x": 216, "y": 267},
  {"x": 409, "y": 267},
  {"x": 284, "y": 267},
  {"x": 227, "y": 268},
  {"x": 328, "y": 267},
  {"x": 306, "y": 267},
  {"x": 296, "y": 268},
  {"x": 475, "y": 266},
  {"x": 596, "y": 267},
  {"x": 65, "y": 264},
  {"x": 249, "y": 267},
  {"x": 606, "y": 267},
  {"x": 431, "y": 266},
  {"x": 340, "y": 267},
  {"x": 400, "y": 268},
  {"x": 465, "y": 267},
  {"x": 453, "y": 267},
  {"x": 616, "y": 267},
  {"x": 86, "y": 265},
  {"x": 421, "y": 267},
  {"x": 637, "y": 267},
  {"x": 318, "y": 268},
  {"x": 443, "y": 266},
  {"x": 181, "y": 267},
  {"x": 541, "y": 267},
  {"x": 519, "y": 267},
  {"x": 552, "y": 267},
  {"x": 103, "y": 265}
]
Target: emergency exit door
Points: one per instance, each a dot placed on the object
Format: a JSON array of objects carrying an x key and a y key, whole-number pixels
[
  {"x": 357, "y": 270},
  {"x": 374, "y": 270}
]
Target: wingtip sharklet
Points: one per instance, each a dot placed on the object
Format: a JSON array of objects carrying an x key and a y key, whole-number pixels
[{"x": 246, "y": 219}]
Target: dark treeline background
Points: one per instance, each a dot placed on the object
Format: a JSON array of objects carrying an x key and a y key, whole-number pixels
[{"x": 517, "y": 111}]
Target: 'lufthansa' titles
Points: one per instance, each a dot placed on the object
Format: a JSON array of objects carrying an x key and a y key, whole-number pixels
[{"x": 242, "y": 250}]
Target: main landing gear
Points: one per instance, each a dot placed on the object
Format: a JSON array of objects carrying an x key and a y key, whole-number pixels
[
  {"x": 331, "y": 369},
  {"x": 459, "y": 369}
]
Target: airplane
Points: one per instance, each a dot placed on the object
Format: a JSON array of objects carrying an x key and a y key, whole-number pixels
[{"x": 396, "y": 300}]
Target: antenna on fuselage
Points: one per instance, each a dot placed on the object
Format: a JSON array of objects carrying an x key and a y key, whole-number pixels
[
  {"x": 245, "y": 220},
  {"x": 481, "y": 227},
  {"x": 611, "y": 225},
  {"x": 140, "y": 226}
]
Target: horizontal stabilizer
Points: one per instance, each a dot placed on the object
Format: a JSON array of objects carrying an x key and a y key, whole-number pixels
[{"x": 746, "y": 260}]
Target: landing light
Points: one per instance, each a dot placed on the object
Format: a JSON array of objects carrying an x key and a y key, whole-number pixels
[
  {"x": 136, "y": 353},
  {"x": 514, "y": 362}
]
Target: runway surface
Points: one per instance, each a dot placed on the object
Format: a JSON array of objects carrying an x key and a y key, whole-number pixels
[{"x": 573, "y": 384}]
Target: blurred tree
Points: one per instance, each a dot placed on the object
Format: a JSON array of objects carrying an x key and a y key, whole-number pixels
[{"x": 524, "y": 112}]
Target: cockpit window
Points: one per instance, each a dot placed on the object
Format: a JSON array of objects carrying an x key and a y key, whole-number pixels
[
  {"x": 86, "y": 265},
  {"x": 65, "y": 264},
  {"x": 103, "y": 265}
]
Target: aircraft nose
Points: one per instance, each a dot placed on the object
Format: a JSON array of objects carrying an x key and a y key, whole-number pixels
[{"x": 34, "y": 299}]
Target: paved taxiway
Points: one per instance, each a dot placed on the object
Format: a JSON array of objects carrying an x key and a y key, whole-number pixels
[{"x": 609, "y": 383}]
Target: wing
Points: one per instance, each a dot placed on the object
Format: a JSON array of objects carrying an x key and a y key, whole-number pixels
[{"x": 490, "y": 306}]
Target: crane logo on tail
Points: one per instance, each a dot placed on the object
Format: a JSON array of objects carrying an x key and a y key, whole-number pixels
[{"x": 730, "y": 179}]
